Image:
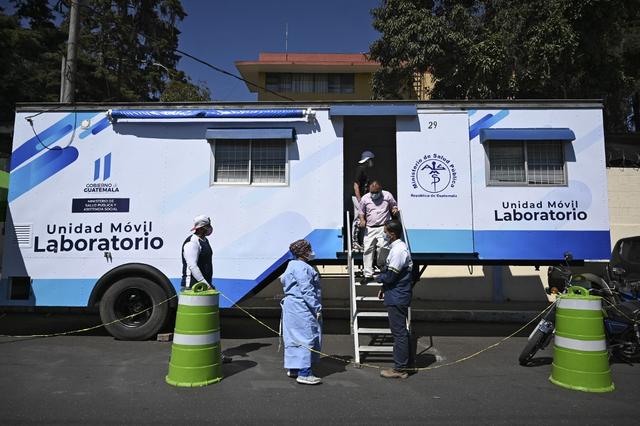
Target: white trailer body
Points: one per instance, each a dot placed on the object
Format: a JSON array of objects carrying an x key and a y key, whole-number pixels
[{"x": 91, "y": 191}]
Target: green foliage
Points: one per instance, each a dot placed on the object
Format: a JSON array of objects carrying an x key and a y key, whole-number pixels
[
  {"x": 126, "y": 52},
  {"x": 30, "y": 59},
  {"x": 493, "y": 49},
  {"x": 179, "y": 91}
]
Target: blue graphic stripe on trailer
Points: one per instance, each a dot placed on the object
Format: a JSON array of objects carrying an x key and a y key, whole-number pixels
[
  {"x": 107, "y": 166},
  {"x": 440, "y": 240},
  {"x": 39, "y": 170},
  {"x": 544, "y": 245},
  {"x": 325, "y": 242},
  {"x": 76, "y": 292},
  {"x": 48, "y": 137},
  {"x": 62, "y": 292},
  {"x": 96, "y": 169},
  {"x": 96, "y": 128},
  {"x": 486, "y": 121}
]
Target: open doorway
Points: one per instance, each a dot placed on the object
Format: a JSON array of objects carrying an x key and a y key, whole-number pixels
[{"x": 376, "y": 134}]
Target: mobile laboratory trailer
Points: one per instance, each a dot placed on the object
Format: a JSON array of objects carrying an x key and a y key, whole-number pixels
[{"x": 101, "y": 197}]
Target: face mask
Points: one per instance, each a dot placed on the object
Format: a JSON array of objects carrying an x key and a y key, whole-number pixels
[
  {"x": 375, "y": 195},
  {"x": 311, "y": 256},
  {"x": 386, "y": 238}
]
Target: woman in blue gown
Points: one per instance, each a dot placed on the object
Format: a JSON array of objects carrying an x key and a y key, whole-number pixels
[{"x": 301, "y": 314}]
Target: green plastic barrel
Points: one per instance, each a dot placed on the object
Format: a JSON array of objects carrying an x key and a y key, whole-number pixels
[
  {"x": 580, "y": 358},
  {"x": 195, "y": 354}
]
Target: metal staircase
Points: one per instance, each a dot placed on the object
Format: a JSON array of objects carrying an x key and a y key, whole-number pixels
[{"x": 367, "y": 310}]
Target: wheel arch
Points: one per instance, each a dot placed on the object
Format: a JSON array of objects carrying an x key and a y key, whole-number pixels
[{"x": 131, "y": 270}]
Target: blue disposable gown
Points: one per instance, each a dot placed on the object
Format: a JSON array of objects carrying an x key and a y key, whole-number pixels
[{"x": 300, "y": 307}]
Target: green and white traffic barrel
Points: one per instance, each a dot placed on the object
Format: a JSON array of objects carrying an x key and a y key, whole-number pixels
[
  {"x": 580, "y": 358},
  {"x": 195, "y": 353}
]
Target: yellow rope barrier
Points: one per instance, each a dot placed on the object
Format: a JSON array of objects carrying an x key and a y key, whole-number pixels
[
  {"x": 473, "y": 355},
  {"x": 277, "y": 333},
  {"x": 82, "y": 330}
]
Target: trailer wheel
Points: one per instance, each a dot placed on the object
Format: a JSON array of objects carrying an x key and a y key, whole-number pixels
[{"x": 130, "y": 296}]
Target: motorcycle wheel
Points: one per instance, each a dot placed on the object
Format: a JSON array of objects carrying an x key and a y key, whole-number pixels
[
  {"x": 629, "y": 352},
  {"x": 533, "y": 345}
]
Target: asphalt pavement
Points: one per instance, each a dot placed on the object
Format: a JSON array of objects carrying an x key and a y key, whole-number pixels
[{"x": 95, "y": 379}]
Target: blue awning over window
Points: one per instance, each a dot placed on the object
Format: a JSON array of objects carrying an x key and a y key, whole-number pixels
[
  {"x": 542, "y": 134},
  {"x": 273, "y": 133},
  {"x": 140, "y": 114},
  {"x": 390, "y": 109}
]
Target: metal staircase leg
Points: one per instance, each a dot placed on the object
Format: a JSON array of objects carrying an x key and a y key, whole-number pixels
[{"x": 353, "y": 319}]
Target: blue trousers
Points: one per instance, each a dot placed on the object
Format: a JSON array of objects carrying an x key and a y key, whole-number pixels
[{"x": 398, "y": 315}]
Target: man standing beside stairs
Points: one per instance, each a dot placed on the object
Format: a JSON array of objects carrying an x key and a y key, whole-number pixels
[{"x": 397, "y": 281}]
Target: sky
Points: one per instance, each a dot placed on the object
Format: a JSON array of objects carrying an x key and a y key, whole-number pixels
[{"x": 224, "y": 31}]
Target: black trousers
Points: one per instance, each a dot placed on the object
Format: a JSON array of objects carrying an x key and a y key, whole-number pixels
[{"x": 398, "y": 315}]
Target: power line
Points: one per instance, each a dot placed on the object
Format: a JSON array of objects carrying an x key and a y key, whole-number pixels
[
  {"x": 220, "y": 70},
  {"x": 201, "y": 61}
]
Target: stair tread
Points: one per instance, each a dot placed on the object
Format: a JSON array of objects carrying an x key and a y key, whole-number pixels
[
  {"x": 370, "y": 330},
  {"x": 365, "y": 348},
  {"x": 368, "y": 299},
  {"x": 379, "y": 314}
]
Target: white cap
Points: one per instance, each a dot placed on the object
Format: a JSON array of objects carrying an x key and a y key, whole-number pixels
[
  {"x": 365, "y": 156},
  {"x": 200, "y": 221}
]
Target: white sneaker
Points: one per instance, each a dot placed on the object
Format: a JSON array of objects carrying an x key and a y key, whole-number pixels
[{"x": 309, "y": 380}]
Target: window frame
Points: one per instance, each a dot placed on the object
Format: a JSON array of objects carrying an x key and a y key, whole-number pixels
[
  {"x": 524, "y": 143},
  {"x": 212, "y": 172}
]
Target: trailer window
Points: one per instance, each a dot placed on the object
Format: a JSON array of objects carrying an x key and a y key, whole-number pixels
[
  {"x": 256, "y": 162},
  {"x": 526, "y": 163}
]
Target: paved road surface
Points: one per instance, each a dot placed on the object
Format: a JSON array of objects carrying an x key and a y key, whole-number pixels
[{"x": 94, "y": 379}]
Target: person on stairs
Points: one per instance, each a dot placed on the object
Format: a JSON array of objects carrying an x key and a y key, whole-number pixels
[
  {"x": 397, "y": 282},
  {"x": 376, "y": 208}
]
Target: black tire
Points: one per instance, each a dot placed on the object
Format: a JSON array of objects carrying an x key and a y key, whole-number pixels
[
  {"x": 629, "y": 352},
  {"x": 533, "y": 346},
  {"x": 129, "y": 296}
]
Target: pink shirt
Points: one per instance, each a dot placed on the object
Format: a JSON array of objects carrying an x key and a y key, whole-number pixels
[{"x": 377, "y": 212}]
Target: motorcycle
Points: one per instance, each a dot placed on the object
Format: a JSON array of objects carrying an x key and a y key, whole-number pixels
[{"x": 621, "y": 312}]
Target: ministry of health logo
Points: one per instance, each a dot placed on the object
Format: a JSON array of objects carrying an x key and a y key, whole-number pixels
[{"x": 433, "y": 173}]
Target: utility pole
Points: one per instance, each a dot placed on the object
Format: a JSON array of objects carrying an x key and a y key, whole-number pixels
[{"x": 69, "y": 77}]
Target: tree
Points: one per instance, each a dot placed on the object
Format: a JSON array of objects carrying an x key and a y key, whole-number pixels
[
  {"x": 179, "y": 91},
  {"x": 120, "y": 43},
  {"x": 479, "y": 49},
  {"x": 30, "y": 63}
]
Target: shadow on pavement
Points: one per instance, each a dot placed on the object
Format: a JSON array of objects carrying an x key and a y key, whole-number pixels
[
  {"x": 540, "y": 361},
  {"x": 236, "y": 367},
  {"x": 328, "y": 366},
  {"x": 424, "y": 360},
  {"x": 244, "y": 349},
  {"x": 37, "y": 323}
]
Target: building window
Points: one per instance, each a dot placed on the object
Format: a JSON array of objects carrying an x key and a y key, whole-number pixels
[
  {"x": 526, "y": 163},
  {"x": 255, "y": 162},
  {"x": 310, "y": 83}
]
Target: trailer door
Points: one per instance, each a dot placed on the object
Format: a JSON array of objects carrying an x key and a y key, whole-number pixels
[{"x": 434, "y": 182}]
